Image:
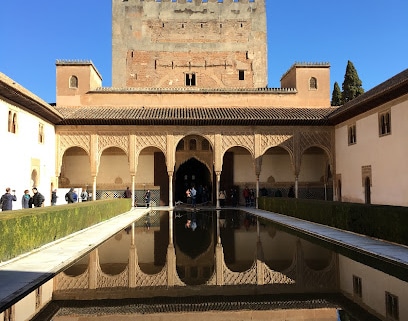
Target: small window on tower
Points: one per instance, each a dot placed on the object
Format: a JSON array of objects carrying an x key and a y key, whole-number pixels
[
  {"x": 73, "y": 82},
  {"x": 313, "y": 83},
  {"x": 241, "y": 75},
  {"x": 191, "y": 79}
]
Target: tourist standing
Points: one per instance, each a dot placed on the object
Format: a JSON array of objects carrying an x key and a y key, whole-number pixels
[
  {"x": 147, "y": 198},
  {"x": 54, "y": 197},
  {"x": 38, "y": 198},
  {"x": 128, "y": 193},
  {"x": 25, "y": 200},
  {"x": 7, "y": 200}
]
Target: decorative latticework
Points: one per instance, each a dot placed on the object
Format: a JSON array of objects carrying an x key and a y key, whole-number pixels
[
  {"x": 112, "y": 281},
  {"x": 245, "y": 140},
  {"x": 238, "y": 278},
  {"x": 78, "y": 139},
  {"x": 151, "y": 139},
  {"x": 67, "y": 282},
  {"x": 322, "y": 139},
  {"x": 326, "y": 277},
  {"x": 275, "y": 277},
  {"x": 273, "y": 140},
  {"x": 158, "y": 279},
  {"x": 114, "y": 139}
]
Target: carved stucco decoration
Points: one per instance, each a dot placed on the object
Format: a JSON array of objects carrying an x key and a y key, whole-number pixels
[
  {"x": 144, "y": 140},
  {"x": 309, "y": 138},
  {"x": 245, "y": 140},
  {"x": 68, "y": 140},
  {"x": 277, "y": 140},
  {"x": 67, "y": 282},
  {"x": 113, "y": 139},
  {"x": 179, "y": 136},
  {"x": 322, "y": 139}
]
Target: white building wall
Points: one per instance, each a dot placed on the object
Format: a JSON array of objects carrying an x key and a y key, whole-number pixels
[
  {"x": 21, "y": 153},
  {"x": 374, "y": 285},
  {"x": 387, "y": 156}
]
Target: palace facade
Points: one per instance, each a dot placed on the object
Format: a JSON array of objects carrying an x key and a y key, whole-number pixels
[{"x": 189, "y": 105}]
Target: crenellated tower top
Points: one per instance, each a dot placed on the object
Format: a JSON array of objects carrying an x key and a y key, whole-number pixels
[{"x": 189, "y": 43}]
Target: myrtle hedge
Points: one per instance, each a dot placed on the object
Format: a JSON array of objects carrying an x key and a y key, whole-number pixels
[
  {"x": 22, "y": 231},
  {"x": 379, "y": 221}
]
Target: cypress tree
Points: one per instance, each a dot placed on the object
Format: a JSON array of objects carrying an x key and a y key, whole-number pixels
[
  {"x": 336, "y": 95},
  {"x": 352, "y": 85}
]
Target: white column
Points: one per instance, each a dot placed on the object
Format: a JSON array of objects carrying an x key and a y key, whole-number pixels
[
  {"x": 133, "y": 191},
  {"x": 296, "y": 186},
  {"x": 94, "y": 189},
  {"x": 218, "y": 175},
  {"x": 171, "y": 189}
]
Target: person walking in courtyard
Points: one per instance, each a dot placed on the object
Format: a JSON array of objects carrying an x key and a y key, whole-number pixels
[
  {"x": 7, "y": 200},
  {"x": 54, "y": 197},
  {"x": 147, "y": 198},
  {"x": 38, "y": 198},
  {"x": 193, "y": 193},
  {"x": 84, "y": 196},
  {"x": 69, "y": 197},
  {"x": 25, "y": 200},
  {"x": 128, "y": 193}
]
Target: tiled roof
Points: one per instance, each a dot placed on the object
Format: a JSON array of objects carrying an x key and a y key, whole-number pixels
[
  {"x": 193, "y": 116},
  {"x": 25, "y": 99},
  {"x": 390, "y": 89}
]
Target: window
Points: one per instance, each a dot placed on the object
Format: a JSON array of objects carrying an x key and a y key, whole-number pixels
[
  {"x": 352, "y": 137},
  {"x": 205, "y": 145},
  {"x": 180, "y": 145},
  {"x": 384, "y": 122},
  {"x": 73, "y": 82},
  {"x": 241, "y": 74},
  {"x": 391, "y": 306},
  {"x": 190, "y": 79},
  {"x": 9, "y": 314},
  {"x": 41, "y": 133},
  {"x": 193, "y": 144},
  {"x": 38, "y": 298},
  {"x": 313, "y": 83},
  {"x": 12, "y": 122},
  {"x": 357, "y": 288}
]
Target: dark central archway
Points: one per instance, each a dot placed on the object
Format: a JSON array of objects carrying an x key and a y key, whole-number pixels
[{"x": 193, "y": 173}]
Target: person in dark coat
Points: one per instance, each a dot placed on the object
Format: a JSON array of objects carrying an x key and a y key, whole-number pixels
[
  {"x": 7, "y": 200},
  {"x": 69, "y": 197},
  {"x": 54, "y": 197},
  {"x": 38, "y": 198}
]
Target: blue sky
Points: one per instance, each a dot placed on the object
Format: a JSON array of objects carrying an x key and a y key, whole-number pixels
[{"x": 372, "y": 34}]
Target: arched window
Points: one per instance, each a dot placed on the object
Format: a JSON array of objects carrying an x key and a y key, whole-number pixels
[
  {"x": 339, "y": 190},
  {"x": 205, "y": 145},
  {"x": 385, "y": 123},
  {"x": 14, "y": 125},
  {"x": 41, "y": 133},
  {"x": 180, "y": 145},
  {"x": 73, "y": 82},
  {"x": 367, "y": 190},
  {"x": 313, "y": 83},
  {"x": 12, "y": 122},
  {"x": 193, "y": 144},
  {"x": 352, "y": 137}
]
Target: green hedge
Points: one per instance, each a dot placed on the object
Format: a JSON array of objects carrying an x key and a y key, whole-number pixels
[
  {"x": 379, "y": 221},
  {"x": 24, "y": 230}
]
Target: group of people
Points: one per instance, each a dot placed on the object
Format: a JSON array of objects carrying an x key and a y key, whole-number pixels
[
  {"x": 72, "y": 197},
  {"x": 36, "y": 199},
  {"x": 146, "y": 197},
  {"x": 27, "y": 200}
]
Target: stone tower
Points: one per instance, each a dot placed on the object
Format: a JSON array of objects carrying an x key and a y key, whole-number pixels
[{"x": 189, "y": 44}]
